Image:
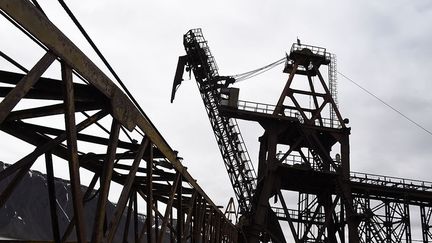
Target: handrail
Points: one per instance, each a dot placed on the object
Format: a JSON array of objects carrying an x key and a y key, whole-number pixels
[
  {"x": 390, "y": 181},
  {"x": 299, "y": 215},
  {"x": 319, "y": 51},
  {"x": 269, "y": 109}
]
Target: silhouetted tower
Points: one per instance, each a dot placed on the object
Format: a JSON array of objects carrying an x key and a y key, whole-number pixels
[{"x": 303, "y": 150}]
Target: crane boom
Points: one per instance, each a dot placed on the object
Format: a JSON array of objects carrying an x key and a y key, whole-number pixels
[{"x": 237, "y": 162}]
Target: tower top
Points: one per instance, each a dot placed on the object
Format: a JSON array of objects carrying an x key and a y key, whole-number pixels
[{"x": 307, "y": 56}]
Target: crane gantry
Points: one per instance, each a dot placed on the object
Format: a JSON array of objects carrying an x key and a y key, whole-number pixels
[
  {"x": 236, "y": 158},
  {"x": 334, "y": 204}
]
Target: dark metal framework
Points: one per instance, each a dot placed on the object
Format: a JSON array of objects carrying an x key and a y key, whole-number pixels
[
  {"x": 103, "y": 135},
  {"x": 335, "y": 205},
  {"x": 305, "y": 149},
  {"x": 227, "y": 133}
]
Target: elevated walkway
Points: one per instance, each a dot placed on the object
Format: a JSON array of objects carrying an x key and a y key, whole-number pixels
[
  {"x": 364, "y": 185},
  {"x": 254, "y": 111},
  {"x": 373, "y": 186}
]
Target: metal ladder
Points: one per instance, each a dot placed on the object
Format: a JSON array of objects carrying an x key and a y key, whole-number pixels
[
  {"x": 332, "y": 74},
  {"x": 227, "y": 133}
]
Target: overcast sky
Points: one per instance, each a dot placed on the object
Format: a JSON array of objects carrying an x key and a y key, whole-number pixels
[{"x": 385, "y": 46}]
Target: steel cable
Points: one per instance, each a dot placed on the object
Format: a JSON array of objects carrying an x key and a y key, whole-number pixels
[
  {"x": 386, "y": 104},
  {"x": 247, "y": 75}
]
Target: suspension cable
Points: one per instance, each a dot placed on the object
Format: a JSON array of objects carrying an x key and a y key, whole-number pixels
[
  {"x": 247, "y": 75},
  {"x": 386, "y": 104}
]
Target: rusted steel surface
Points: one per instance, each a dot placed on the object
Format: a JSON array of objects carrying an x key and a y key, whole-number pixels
[
  {"x": 149, "y": 173},
  {"x": 37, "y": 24},
  {"x": 24, "y": 85},
  {"x": 72, "y": 145}
]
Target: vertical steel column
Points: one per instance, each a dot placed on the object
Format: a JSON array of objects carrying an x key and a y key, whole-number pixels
[
  {"x": 206, "y": 223},
  {"x": 347, "y": 198},
  {"x": 105, "y": 180},
  {"x": 150, "y": 196},
  {"x": 135, "y": 218},
  {"x": 197, "y": 220},
  {"x": 179, "y": 228},
  {"x": 212, "y": 234},
  {"x": 368, "y": 224},
  {"x": 218, "y": 228},
  {"x": 52, "y": 197},
  {"x": 210, "y": 226},
  {"x": 73, "y": 153},
  {"x": 264, "y": 188},
  {"x": 79, "y": 127},
  {"x": 407, "y": 223},
  {"x": 342, "y": 223},
  {"x": 300, "y": 224},
  {"x": 199, "y": 216},
  {"x": 190, "y": 214},
  {"x": 126, "y": 191},
  {"x": 425, "y": 215},
  {"x": 156, "y": 221},
  {"x": 172, "y": 240},
  {"x": 387, "y": 222},
  {"x": 128, "y": 218}
]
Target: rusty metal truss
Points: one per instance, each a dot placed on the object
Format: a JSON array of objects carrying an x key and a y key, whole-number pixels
[{"x": 85, "y": 123}]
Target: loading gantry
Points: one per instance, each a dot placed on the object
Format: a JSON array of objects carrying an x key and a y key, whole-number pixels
[{"x": 305, "y": 150}]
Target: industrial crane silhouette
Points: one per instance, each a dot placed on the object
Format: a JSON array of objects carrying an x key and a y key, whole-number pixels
[
  {"x": 236, "y": 158},
  {"x": 304, "y": 149},
  {"x": 334, "y": 204}
]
